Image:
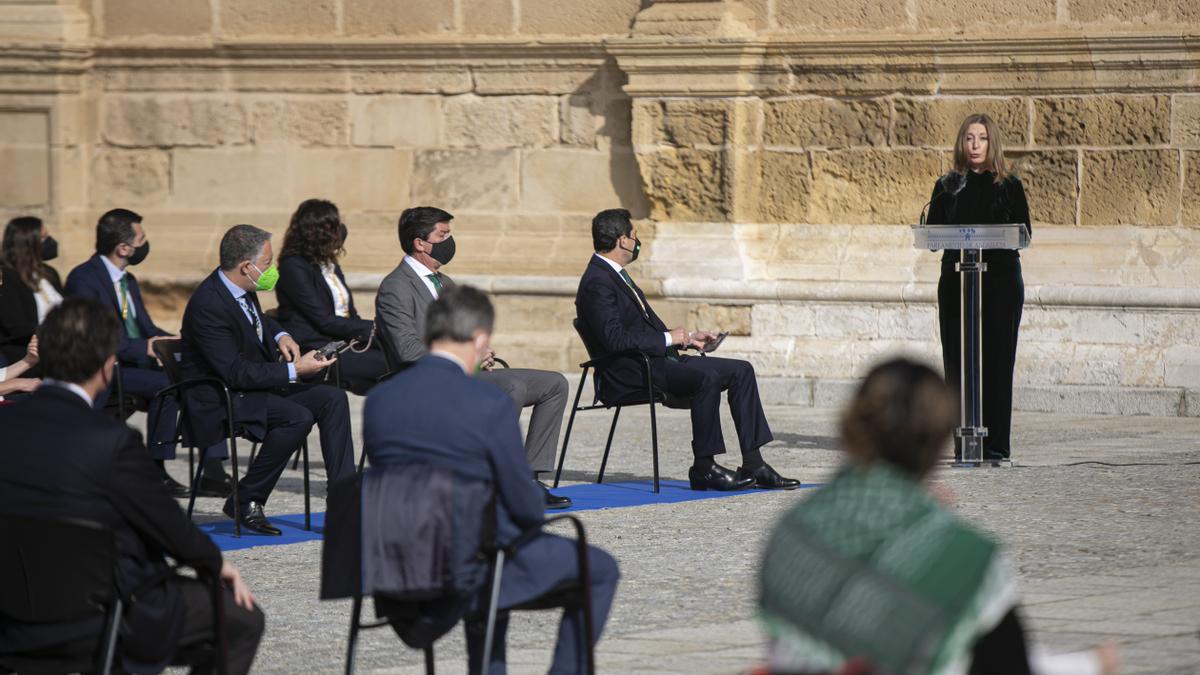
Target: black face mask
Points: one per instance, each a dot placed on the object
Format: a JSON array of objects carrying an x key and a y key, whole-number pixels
[
  {"x": 637, "y": 248},
  {"x": 443, "y": 251},
  {"x": 49, "y": 249},
  {"x": 342, "y": 233},
  {"x": 139, "y": 253}
]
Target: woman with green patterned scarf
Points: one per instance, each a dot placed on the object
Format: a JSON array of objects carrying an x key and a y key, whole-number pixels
[{"x": 871, "y": 574}]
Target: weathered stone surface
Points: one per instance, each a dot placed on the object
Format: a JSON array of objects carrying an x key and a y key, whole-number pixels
[
  {"x": 1102, "y": 120},
  {"x": 384, "y": 17},
  {"x": 401, "y": 121},
  {"x": 304, "y": 122},
  {"x": 1185, "y": 122},
  {"x": 19, "y": 127},
  {"x": 578, "y": 123},
  {"x": 482, "y": 180},
  {"x": 162, "y": 122},
  {"x": 500, "y": 121},
  {"x": 577, "y": 17},
  {"x": 697, "y": 123},
  {"x": 488, "y": 17},
  {"x": 580, "y": 181},
  {"x": 1050, "y": 178},
  {"x": 686, "y": 185},
  {"x": 31, "y": 185},
  {"x": 131, "y": 176},
  {"x": 871, "y": 186},
  {"x": 358, "y": 179},
  {"x": 1130, "y": 187},
  {"x": 732, "y": 319},
  {"x": 959, "y": 14},
  {"x": 934, "y": 121},
  {"x": 806, "y": 15},
  {"x": 232, "y": 179},
  {"x": 278, "y": 17},
  {"x": 1134, "y": 11},
  {"x": 445, "y": 79},
  {"x": 785, "y": 189},
  {"x": 1191, "y": 189},
  {"x": 825, "y": 123},
  {"x": 133, "y": 17}
]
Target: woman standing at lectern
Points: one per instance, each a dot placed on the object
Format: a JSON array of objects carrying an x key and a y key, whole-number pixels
[{"x": 981, "y": 191}]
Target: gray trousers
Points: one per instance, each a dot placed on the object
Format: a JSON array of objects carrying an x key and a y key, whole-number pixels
[{"x": 547, "y": 392}]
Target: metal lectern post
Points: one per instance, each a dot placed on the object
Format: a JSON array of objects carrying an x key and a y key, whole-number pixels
[{"x": 971, "y": 432}]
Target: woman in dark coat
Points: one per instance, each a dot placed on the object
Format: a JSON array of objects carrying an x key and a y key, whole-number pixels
[
  {"x": 29, "y": 288},
  {"x": 315, "y": 304},
  {"x": 981, "y": 191}
]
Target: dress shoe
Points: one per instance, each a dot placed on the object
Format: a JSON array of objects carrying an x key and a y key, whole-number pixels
[
  {"x": 253, "y": 518},
  {"x": 553, "y": 501},
  {"x": 717, "y": 477},
  {"x": 215, "y": 486},
  {"x": 766, "y": 478},
  {"x": 174, "y": 487}
]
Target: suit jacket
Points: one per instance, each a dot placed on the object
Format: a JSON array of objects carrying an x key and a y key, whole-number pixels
[
  {"x": 59, "y": 458},
  {"x": 18, "y": 313},
  {"x": 306, "y": 305},
  {"x": 219, "y": 341},
  {"x": 90, "y": 279},
  {"x": 400, "y": 308},
  {"x": 612, "y": 320}
]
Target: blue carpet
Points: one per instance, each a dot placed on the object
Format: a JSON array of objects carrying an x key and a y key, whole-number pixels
[{"x": 585, "y": 497}]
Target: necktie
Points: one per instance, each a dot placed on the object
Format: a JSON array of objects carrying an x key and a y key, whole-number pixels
[
  {"x": 672, "y": 353},
  {"x": 252, "y": 315},
  {"x": 437, "y": 282},
  {"x": 131, "y": 326}
]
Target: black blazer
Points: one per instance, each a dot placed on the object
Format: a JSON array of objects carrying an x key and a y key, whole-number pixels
[
  {"x": 18, "y": 313},
  {"x": 306, "y": 305},
  {"x": 219, "y": 341},
  {"x": 612, "y": 320},
  {"x": 90, "y": 279},
  {"x": 59, "y": 458}
]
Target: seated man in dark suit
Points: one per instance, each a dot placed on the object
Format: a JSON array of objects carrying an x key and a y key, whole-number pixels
[
  {"x": 227, "y": 335},
  {"x": 616, "y": 316},
  {"x": 121, "y": 242},
  {"x": 417, "y": 416},
  {"x": 62, "y": 459}
]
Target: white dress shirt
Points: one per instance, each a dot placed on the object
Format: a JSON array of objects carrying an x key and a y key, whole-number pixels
[
  {"x": 341, "y": 295},
  {"x": 116, "y": 274},
  {"x": 618, "y": 269},
  {"x": 237, "y": 292},
  {"x": 46, "y": 297},
  {"x": 423, "y": 272}
]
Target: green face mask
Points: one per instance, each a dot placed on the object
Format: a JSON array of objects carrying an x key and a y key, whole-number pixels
[{"x": 266, "y": 280}]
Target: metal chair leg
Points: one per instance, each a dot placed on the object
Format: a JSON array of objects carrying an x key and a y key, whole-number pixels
[
  {"x": 362, "y": 460},
  {"x": 562, "y": 455},
  {"x": 429, "y": 659},
  {"x": 493, "y": 606},
  {"x": 608, "y": 446},
  {"x": 110, "y": 638},
  {"x": 253, "y": 452},
  {"x": 654, "y": 443},
  {"x": 352, "y": 641},
  {"x": 196, "y": 479},
  {"x": 296, "y": 459},
  {"x": 307, "y": 506}
]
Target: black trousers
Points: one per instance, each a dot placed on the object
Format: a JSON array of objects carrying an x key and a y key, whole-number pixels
[
  {"x": 1003, "y": 300},
  {"x": 702, "y": 379},
  {"x": 289, "y": 419},
  {"x": 362, "y": 371},
  {"x": 243, "y": 629}
]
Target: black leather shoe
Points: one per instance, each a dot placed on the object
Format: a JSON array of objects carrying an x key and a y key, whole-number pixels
[
  {"x": 553, "y": 501},
  {"x": 253, "y": 518},
  {"x": 766, "y": 478},
  {"x": 219, "y": 486},
  {"x": 717, "y": 478},
  {"x": 174, "y": 487}
]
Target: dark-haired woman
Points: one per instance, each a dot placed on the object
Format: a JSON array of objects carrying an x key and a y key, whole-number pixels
[
  {"x": 981, "y": 191},
  {"x": 29, "y": 288},
  {"x": 315, "y": 303}
]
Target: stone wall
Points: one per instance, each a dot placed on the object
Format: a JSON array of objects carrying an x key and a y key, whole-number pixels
[{"x": 774, "y": 148}]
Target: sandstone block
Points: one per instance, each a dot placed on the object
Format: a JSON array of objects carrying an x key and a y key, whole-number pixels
[
  {"x": 847, "y": 322},
  {"x": 30, "y": 186},
  {"x": 1185, "y": 122},
  {"x": 688, "y": 185},
  {"x": 481, "y": 180},
  {"x": 20, "y": 128},
  {"x": 487, "y": 17},
  {"x": 870, "y": 186},
  {"x": 1182, "y": 366},
  {"x": 1102, "y": 120},
  {"x": 404, "y": 121},
  {"x": 292, "y": 80},
  {"x": 163, "y": 122},
  {"x": 1130, "y": 187},
  {"x": 825, "y": 123},
  {"x": 501, "y": 121},
  {"x": 523, "y": 79},
  {"x": 908, "y": 322},
  {"x": 790, "y": 319},
  {"x": 304, "y": 122},
  {"x": 785, "y": 188},
  {"x": 1191, "y": 189},
  {"x": 278, "y": 17},
  {"x": 133, "y": 17},
  {"x": 961, "y": 14},
  {"x": 386, "y": 17},
  {"x": 185, "y": 248},
  {"x": 1134, "y": 11},
  {"x": 358, "y": 179},
  {"x": 696, "y": 123},
  {"x": 1050, "y": 178},
  {"x": 806, "y": 15},
  {"x": 578, "y": 123},
  {"x": 732, "y": 319},
  {"x": 580, "y": 181},
  {"x": 821, "y": 358},
  {"x": 131, "y": 176},
  {"x": 231, "y": 178},
  {"x": 577, "y": 17},
  {"x": 934, "y": 122},
  {"x": 447, "y": 79}
]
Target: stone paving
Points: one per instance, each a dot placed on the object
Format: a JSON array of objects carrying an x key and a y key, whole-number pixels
[{"x": 1100, "y": 517}]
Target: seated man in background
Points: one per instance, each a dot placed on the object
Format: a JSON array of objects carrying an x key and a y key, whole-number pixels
[
  {"x": 121, "y": 242},
  {"x": 400, "y": 307},
  {"x": 227, "y": 335},
  {"x": 62, "y": 459},
  {"x": 614, "y": 312},
  {"x": 417, "y": 417}
]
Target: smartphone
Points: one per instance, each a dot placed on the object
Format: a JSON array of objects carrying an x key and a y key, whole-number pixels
[
  {"x": 712, "y": 346},
  {"x": 330, "y": 350}
]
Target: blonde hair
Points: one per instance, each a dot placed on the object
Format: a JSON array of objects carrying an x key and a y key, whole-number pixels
[{"x": 995, "y": 152}]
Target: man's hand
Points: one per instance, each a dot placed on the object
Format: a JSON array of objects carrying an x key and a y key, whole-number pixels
[
  {"x": 150, "y": 344},
  {"x": 701, "y": 338},
  {"x": 241, "y": 592},
  {"x": 291, "y": 350},
  {"x": 679, "y": 336},
  {"x": 488, "y": 362},
  {"x": 31, "y": 352},
  {"x": 312, "y": 362}
]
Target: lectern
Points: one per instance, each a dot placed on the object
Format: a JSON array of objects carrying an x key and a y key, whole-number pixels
[{"x": 970, "y": 241}]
